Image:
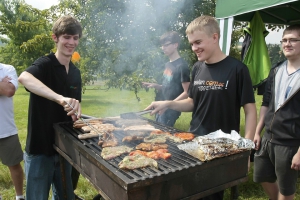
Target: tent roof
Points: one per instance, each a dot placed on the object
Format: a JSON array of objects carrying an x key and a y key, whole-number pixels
[{"x": 283, "y": 12}]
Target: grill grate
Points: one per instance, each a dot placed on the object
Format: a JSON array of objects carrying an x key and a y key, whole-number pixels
[{"x": 178, "y": 161}]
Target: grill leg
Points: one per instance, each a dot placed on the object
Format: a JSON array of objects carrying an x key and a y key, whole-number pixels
[
  {"x": 62, "y": 169},
  {"x": 234, "y": 194}
]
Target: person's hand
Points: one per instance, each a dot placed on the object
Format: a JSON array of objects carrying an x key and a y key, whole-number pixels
[
  {"x": 257, "y": 140},
  {"x": 6, "y": 79},
  {"x": 72, "y": 107},
  {"x": 158, "y": 107},
  {"x": 296, "y": 161}
]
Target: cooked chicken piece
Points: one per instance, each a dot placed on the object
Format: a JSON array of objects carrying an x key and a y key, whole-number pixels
[
  {"x": 130, "y": 138},
  {"x": 108, "y": 140},
  {"x": 151, "y": 146},
  {"x": 185, "y": 136},
  {"x": 112, "y": 152},
  {"x": 156, "y": 138},
  {"x": 160, "y": 153},
  {"x": 137, "y": 161}
]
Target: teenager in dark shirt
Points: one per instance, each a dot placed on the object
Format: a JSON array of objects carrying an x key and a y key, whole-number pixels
[
  {"x": 277, "y": 159},
  {"x": 53, "y": 81},
  {"x": 220, "y": 86},
  {"x": 176, "y": 77}
]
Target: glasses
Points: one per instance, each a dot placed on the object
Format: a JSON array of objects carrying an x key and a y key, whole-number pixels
[
  {"x": 166, "y": 45},
  {"x": 292, "y": 41}
]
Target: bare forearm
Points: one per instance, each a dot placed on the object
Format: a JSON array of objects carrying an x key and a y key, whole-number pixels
[
  {"x": 250, "y": 120},
  {"x": 7, "y": 89},
  {"x": 37, "y": 87},
  {"x": 261, "y": 123},
  {"x": 182, "y": 96},
  {"x": 185, "y": 105}
]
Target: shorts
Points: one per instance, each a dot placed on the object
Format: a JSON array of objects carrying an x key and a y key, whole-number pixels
[
  {"x": 10, "y": 150},
  {"x": 272, "y": 162}
]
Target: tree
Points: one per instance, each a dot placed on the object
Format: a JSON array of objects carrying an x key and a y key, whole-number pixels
[
  {"x": 275, "y": 53},
  {"x": 27, "y": 32},
  {"x": 121, "y": 37}
]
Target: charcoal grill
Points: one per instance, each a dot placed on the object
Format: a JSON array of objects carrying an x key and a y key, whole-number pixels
[{"x": 180, "y": 177}]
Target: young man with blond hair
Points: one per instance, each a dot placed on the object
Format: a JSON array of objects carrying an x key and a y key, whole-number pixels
[{"x": 220, "y": 86}]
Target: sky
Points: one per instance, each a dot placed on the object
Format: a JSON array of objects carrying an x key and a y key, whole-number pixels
[
  {"x": 42, "y": 4},
  {"x": 272, "y": 38}
]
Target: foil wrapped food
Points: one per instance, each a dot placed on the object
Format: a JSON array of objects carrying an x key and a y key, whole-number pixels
[{"x": 216, "y": 144}]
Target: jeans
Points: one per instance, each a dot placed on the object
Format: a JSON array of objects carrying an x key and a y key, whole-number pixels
[
  {"x": 168, "y": 118},
  {"x": 42, "y": 172}
]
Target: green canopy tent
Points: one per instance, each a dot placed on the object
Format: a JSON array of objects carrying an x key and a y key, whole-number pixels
[{"x": 281, "y": 12}]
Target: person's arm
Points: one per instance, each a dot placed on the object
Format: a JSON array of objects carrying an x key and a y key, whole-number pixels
[
  {"x": 184, "y": 94},
  {"x": 152, "y": 85},
  {"x": 6, "y": 87},
  {"x": 185, "y": 105},
  {"x": 260, "y": 126},
  {"x": 296, "y": 161},
  {"x": 37, "y": 87},
  {"x": 250, "y": 120},
  {"x": 250, "y": 123}
]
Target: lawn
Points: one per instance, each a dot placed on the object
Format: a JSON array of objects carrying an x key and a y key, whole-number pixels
[{"x": 99, "y": 102}]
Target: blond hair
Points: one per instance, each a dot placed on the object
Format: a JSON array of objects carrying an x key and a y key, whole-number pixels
[{"x": 204, "y": 23}]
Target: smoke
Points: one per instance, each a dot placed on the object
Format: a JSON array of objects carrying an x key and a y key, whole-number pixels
[{"x": 142, "y": 23}]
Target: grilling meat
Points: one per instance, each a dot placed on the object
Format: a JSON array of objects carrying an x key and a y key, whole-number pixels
[
  {"x": 112, "y": 152},
  {"x": 80, "y": 123},
  {"x": 156, "y": 139},
  {"x": 108, "y": 140},
  {"x": 137, "y": 161},
  {"x": 185, "y": 136},
  {"x": 151, "y": 146},
  {"x": 146, "y": 127},
  {"x": 160, "y": 153},
  {"x": 98, "y": 129},
  {"x": 130, "y": 138},
  {"x": 161, "y": 138},
  {"x": 88, "y": 129}
]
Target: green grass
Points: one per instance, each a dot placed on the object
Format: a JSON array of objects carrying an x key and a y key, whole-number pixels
[{"x": 102, "y": 103}]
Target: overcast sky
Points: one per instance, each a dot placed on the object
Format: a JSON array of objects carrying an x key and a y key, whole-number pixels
[
  {"x": 273, "y": 37},
  {"x": 42, "y": 4}
]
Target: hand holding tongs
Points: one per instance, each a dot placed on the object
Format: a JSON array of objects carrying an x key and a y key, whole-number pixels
[{"x": 86, "y": 123}]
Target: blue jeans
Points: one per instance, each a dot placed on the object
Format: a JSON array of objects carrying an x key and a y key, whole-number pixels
[
  {"x": 168, "y": 118},
  {"x": 42, "y": 172}
]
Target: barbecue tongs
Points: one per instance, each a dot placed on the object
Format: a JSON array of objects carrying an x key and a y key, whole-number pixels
[
  {"x": 86, "y": 123},
  {"x": 134, "y": 115}
]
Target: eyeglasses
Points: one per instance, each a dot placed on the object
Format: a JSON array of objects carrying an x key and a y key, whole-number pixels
[
  {"x": 292, "y": 41},
  {"x": 166, "y": 45}
]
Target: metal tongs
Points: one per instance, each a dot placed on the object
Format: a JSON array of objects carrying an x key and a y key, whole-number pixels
[
  {"x": 86, "y": 123},
  {"x": 134, "y": 115}
]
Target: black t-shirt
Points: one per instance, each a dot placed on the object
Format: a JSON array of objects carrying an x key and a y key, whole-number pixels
[
  {"x": 175, "y": 74},
  {"x": 218, "y": 91},
  {"x": 43, "y": 113}
]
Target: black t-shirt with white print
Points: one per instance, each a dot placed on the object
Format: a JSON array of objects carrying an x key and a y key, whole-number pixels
[{"x": 218, "y": 91}]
